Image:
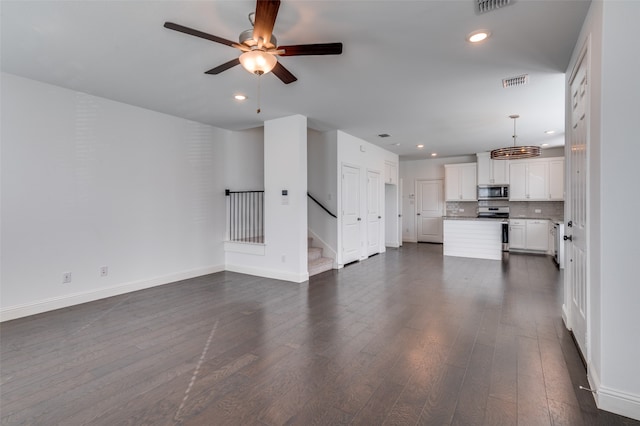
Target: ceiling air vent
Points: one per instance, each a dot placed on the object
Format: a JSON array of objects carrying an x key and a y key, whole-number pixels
[
  {"x": 384, "y": 135},
  {"x": 520, "y": 80},
  {"x": 484, "y": 6}
]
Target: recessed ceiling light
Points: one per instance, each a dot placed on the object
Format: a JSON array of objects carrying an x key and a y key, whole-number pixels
[
  {"x": 420, "y": 146},
  {"x": 550, "y": 132},
  {"x": 240, "y": 97},
  {"x": 434, "y": 154},
  {"x": 395, "y": 144},
  {"x": 545, "y": 144},
  {"x": 478, "y": 36}
]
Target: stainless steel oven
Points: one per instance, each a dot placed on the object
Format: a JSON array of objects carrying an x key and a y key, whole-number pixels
[{"x": 498, "y": 212}]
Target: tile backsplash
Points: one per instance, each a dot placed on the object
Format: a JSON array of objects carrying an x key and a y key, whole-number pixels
[
  {"x": 529, "y": 209},
  {"x": 547, "y": 209},
  {"x": 470, "y": 208}
]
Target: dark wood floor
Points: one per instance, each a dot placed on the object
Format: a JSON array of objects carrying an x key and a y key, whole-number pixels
[{"x": 406, "y": 338}]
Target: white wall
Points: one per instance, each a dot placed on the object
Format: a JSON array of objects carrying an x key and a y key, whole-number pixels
[
  {"x": 357, "y": 152},
  {"x": 410, "y": 172},
  {"x": 284, "y": 255},
  {"x": 245, "y": 148},
  {"x": 621, "y": 300},
  {"x": 614, "y": 317},
  {"x": 322, "y": 166},
  {"x": 88, "y": 182}
]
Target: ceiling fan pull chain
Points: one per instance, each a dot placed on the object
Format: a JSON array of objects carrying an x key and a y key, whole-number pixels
[{"x": 258, "y": 110}]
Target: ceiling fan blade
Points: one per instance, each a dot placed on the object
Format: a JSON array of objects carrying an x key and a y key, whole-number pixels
[
  {"x": 217, "y": 70},
  {"x": 283, "y": 74},
  {"x": 312, "y": 49},
  {"x": 196, "y": 33},
  {"x": 265, "y": 19},
  {"x": 242, "y": 47}
]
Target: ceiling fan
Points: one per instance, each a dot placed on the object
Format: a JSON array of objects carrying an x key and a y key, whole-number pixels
[{"x": 259, "y": 45}]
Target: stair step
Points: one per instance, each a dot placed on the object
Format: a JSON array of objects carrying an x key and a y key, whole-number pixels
[
  {"x": 314, "y": 253},
  {"x": 320, "y": 265}
]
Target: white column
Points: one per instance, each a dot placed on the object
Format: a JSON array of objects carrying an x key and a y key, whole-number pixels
[{"x": 285, "y": 168}]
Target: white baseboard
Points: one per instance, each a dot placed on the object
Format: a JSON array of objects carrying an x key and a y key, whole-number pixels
[
  {"x": 565, "y": 316},
  {"x": 38, "y": 307},
  {"x": 618, "y": 402},
  {"x": 269, "y": 273}
]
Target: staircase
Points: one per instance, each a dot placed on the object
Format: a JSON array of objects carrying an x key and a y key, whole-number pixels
[{"x": 317, "y": 263}]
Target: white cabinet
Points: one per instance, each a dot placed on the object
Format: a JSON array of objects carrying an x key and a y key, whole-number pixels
[
  {"x": 460, "y": 182},
  {"x": 556, "y": 179},
  {"x": 529, "y": 234},
  {"x": 536, "y": 180},
  {"x": 390, "y": 173},
  {"x": 492, "y": 172},
  {"x": 518, "y": 181},
  {"x": 537, "y": 235},
  {"x": 517, "y": 234}
]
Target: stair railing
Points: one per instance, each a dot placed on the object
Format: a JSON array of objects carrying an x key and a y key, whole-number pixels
[
  {"x": 320, "y": 204},
  {"x": 245, "y": 216}
]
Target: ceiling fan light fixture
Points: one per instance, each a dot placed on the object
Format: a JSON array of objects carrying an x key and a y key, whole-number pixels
[
  {"x": 515, "y": 152},
  {"x": 258, "y": 62}
]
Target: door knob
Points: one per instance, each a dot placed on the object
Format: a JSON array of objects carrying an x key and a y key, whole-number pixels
[
  {"x": 568, "y": 238},
  {"x": 570, "y": 224},
  {"x": 379, "y": 217},
  {"x": 418, "y": 214},
  {"x": 359, "y": 219}
]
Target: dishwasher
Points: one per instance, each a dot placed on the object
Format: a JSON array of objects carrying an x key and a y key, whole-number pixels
[{"x": 558, "y": 244}]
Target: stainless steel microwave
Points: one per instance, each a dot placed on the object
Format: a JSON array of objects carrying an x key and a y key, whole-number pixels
[{"x": 493, "y": 192}]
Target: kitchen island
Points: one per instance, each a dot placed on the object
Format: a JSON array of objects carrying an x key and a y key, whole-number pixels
[{"x": 479, "y": 238}]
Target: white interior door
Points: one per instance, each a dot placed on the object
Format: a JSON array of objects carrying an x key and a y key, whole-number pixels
[
  {"x": 351, "y": 220},
  {"x": 374, "y": 216},
  {"x": 429, "y": 210},
  {"x": 390, "y": 221},
  {"x": 577, "y": 218}
]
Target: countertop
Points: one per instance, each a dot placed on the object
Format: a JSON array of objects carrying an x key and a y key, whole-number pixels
[
  {"x": 554, "y": 220},
  {"x": 473, "y": 218}
]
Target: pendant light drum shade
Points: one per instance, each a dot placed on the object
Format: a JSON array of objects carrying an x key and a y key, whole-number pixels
[{"x": 515, "y": 152}]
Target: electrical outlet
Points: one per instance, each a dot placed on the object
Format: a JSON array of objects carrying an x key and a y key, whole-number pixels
[
  {"x": 66, "y": 277},
  {"x": 104, "y": 271}
]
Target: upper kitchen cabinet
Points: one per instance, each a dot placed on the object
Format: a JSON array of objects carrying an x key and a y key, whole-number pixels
[
  {"x": 492, "y": 172},
  {"x": 533, "y": 180},
  {"x": 556, "y": 179},
  {"x": 390, "y": 173},
  {"x": 460, "y": 182}
]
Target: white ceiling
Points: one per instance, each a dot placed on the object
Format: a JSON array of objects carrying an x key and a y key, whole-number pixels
[{"x": 406, "y": 68}]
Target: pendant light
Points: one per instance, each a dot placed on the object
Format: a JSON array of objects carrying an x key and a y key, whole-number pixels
[{"x": 515, "y": 152}]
